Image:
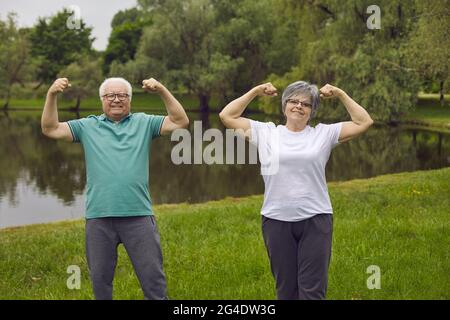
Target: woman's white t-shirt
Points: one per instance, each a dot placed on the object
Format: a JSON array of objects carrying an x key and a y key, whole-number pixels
[{"x": 293, "y": 168}]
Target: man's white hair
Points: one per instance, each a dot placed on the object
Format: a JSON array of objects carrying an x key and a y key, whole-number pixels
[{"x": 102, "y": 88}]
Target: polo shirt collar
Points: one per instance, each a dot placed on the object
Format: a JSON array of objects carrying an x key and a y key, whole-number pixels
[{"x": 103, "y": 117}]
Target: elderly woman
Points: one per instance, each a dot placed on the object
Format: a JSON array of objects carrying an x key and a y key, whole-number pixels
[{"x": 297, "y": 216}]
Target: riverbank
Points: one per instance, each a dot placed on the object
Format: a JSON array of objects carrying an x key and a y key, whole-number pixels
[
  {"x": 427, "y": 115},
  {"x": 140, "y": 100},
  {"x": 214, "y": 250}
]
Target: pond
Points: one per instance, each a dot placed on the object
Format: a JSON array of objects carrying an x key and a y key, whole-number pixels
[{"x": 43, "y": 180}]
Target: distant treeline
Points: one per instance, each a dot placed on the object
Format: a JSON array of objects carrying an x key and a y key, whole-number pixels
[{"x": 382, "y": 56}]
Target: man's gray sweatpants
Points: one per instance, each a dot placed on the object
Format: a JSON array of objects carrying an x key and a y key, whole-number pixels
[
  {"x": 299, "y": 254},
  {"x": 140, "y": 238}
]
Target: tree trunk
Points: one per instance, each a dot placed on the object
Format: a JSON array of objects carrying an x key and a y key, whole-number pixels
[
  {"x": 8, "y": 96},
  {"x": 77, "y": 106},
  {"x": 204, "y": 102},
  {"x": 439, "y": 144},
  {"x": 204, "y": 117},
  {"x": 441, "y": 93}
]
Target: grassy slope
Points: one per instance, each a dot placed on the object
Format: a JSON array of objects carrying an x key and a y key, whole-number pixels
[
  {"x": 215, "y": 250},
  {"x": 429, "y": 112}
]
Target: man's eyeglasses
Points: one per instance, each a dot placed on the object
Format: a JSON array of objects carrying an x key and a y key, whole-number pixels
[
  {"x": 112, "y": 96},
  {"x": 298, "y": 102}
]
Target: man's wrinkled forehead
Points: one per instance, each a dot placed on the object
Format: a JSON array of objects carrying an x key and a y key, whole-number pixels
[{"x": 115, "y": 87}]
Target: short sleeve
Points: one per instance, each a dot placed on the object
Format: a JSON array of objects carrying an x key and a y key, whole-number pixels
[
  {"x": 260, "y": 131},
  {"x": 155, "y": 123},
  {"x": 333, "y": 132},
  {"x": 265, "y": 136},
  {"x": 76, "y": 127}
]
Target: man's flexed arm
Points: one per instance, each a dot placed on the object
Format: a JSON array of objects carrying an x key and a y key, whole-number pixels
[
  {"x": 176, "y": 116},
  {"x": 51, "y": 127}
]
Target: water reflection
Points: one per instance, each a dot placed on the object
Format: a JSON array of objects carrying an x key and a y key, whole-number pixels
[{"x": 43, "y": 180}]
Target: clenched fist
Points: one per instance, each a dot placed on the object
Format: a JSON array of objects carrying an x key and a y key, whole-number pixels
[
  {"x": 329, "y": 91},
  {"x": 152, "y": 85},
  {"x": 266, "y": 89},
  {"x": 59, "y": 86}
]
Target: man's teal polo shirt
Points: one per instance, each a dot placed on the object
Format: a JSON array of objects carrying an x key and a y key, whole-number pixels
[{"x": 117, "y": 163}]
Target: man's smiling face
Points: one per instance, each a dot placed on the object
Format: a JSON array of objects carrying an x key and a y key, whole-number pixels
[{"x": 116, "y": 101}]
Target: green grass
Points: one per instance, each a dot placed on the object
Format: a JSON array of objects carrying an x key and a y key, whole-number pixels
[
  {"x": 215, "y": 250},
  {"x": 429, "y": 112}
]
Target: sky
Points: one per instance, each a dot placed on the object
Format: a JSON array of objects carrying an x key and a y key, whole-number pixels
[{"x": 95, "y": 13}]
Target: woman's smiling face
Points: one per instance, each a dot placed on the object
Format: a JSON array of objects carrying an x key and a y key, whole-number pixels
[{"x": 298, "y": 108}]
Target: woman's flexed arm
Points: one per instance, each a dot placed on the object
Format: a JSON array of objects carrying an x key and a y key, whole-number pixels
[
  {"x": 231, "y": 114},
  {"x": 361, "y": 120}
]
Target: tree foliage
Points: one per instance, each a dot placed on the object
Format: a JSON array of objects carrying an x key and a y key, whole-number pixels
[
  {"x": 123, "y": 41},
  {"x": 15, "y": 66},
  {"x": 370, "y": 65},
  {"x": 222, "y": 48},
  {"x": 55, "y": 46},
  {"x": 428, "y": 49},
  {"x": 213, "y": 46},
  {"x": 85, "y": 76}
]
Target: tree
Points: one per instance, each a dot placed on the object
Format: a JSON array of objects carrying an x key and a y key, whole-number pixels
[
  {"x": 428, "y": 48},
  {"x": 368, "y": 64},
  {"x": 15, "y": 66},
  {"x": 85, "y": 76},
  {"x": 181, "y": 42},
  {"x": 55, "y": 45},
  {"x": 259, "y": 34},
  {"x": 211, "y": 46},
  {"x": 126, "y": 16},
  {"x": 126, "y": 32}
]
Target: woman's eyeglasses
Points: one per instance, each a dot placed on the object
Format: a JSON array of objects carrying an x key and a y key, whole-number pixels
[{"x": 298, "y": 102}]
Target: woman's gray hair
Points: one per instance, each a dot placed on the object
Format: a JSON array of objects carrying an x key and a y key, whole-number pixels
[
  {"x": 101, "y": 90},
  {"x": 301, "y": 87}
]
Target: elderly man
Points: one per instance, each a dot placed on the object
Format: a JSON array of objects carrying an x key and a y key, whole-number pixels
[{"x": 118, "y": 204}]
